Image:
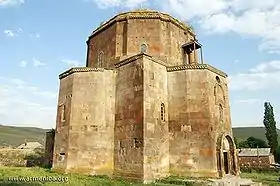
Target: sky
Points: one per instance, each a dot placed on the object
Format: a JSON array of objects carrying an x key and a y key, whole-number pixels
[{"x": 41, "y": 39}]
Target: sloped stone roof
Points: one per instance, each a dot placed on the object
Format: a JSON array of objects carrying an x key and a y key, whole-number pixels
[
  {"x": 30, "y": 145},
  {"x": 254, "y": 152}
]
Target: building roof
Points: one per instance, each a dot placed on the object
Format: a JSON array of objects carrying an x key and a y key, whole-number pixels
[
  {"x": 135, "y": 57},
  {"x": 30, "y": 145},
  {"x": 254, "y": 152},
  {"x": 143, "y": 14}
]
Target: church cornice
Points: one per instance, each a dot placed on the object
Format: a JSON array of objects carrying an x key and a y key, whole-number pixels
[
  {"x": 142, "y": 14},
  {"x": 138, "y": 56},
  {"x": 196, "y": 66},
  {"x": 141, "y": 55},
  {"x": 79, "y": 69}
]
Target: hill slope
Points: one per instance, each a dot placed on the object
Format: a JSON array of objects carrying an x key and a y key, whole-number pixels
[
  {"x": 15, "y": 136},
  {"x": 242, "y": 133}
]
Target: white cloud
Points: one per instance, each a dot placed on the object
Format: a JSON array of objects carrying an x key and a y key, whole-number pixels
[
  {"x": 37, "y": 63},
  {"x": 262, "y": 76},
  {"x": 11, "y": 2},
  {"x": 23, "y": 64},
  {"x": 10, "y": 33},
  {"x": 27, "y": 105},
  {"x": 256, "y": 18},
  {"x": 19, "y": 30},
  {"x": 35, "y": 35},
  {"x": 236, "y": 61},
  {"x": 73, "y": 63},
  {"x": 115, "y": 3},
  {"x": 248, "y": 101},
  {"x": 188, "y": 9},
  {"x": 266, "y": 67}
]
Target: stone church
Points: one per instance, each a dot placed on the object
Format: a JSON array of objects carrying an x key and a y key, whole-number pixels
[{"x": 145, "y": 106}]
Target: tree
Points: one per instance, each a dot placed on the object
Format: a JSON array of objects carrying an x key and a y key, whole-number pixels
[
  {"x": 236, "y": 142},
  {"x": 253, "y": 142},
  {"x": 243, "y": 144},
  {"x": 270, "y": 127},
  {"x": 277, "y": 158},
  {"x": 256, "y": 143}
]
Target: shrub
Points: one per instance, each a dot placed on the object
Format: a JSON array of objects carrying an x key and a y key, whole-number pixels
[{"x": 259, "y": 169}]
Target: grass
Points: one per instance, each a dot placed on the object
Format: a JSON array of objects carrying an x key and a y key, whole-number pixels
[
  {"x": 270, "y": 179},
  {"x": 73, "y": 179}
]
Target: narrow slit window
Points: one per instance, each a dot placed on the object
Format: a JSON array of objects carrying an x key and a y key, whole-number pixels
[
  {"x": 221, "y": 112},
  {"x": 162, "y": 112},
  {"x": 63, "y": 116}
]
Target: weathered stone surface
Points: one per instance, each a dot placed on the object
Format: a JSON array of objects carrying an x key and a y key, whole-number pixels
[
  {"x": 233, "y": 181},
  {"x": 49, "y": 147},
  {"x": 141, "y": 109}
]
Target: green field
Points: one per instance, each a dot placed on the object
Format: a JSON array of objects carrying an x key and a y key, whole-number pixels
[
  {"x": 7, "y": 173},
  {"x": 76, "y": 180},
  {"x": 269, "y": 179}
]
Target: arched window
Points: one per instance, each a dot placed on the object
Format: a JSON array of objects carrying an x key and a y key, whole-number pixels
[
  {"x": 162, "y": 112},
  {"x": 143, "y": 48},
  {"x": 218, "y": 79},
  {"x": 100, "y": 59}
]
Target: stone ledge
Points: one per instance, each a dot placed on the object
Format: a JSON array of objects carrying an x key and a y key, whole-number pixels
[
  {"x": 79, "y": 69},
  {"x": 196, "y": 66},
  {"x": 138, "y": 56},
  {"x": 141, "y": 55}
]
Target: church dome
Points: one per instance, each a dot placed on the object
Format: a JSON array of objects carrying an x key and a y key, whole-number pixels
[
  {"x": 138, "y": 31},
  {"x": 143, "y": 14}
]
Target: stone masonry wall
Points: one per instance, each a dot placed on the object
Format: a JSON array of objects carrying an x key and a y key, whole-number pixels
[
  {"x": 254, "y": 161},
  {"x": 192, "y": 142},
  {"x": 92, "y": 123},
  {"x": 149, "y": 35},
  {"x": 13, "y": 157},
  {"x": 49, "y": 147},
  {"x": 219, "y": 104},
  {"x": 62, "y": 123},
  {"x": 128, "y": 158},
  {"x": 104, "y": 42},
  {"x": 156, "y": 138}
]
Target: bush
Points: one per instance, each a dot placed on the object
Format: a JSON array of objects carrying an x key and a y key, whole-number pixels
[
  {"x": 36, "y": 159},
  {"x": 259, "y": 169}
]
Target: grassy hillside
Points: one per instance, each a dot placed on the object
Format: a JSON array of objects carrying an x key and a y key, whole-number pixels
[
  {"x": 243, "y": 133},
  {"x": 15, "y": 136}
]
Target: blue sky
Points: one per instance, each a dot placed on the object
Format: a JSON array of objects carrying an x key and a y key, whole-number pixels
[{"x": 41, "y": 39}]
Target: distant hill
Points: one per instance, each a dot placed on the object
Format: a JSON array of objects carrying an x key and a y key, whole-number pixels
[
  {"x": 15, "y": 136},
  {"x": 242, "y": 133}
]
